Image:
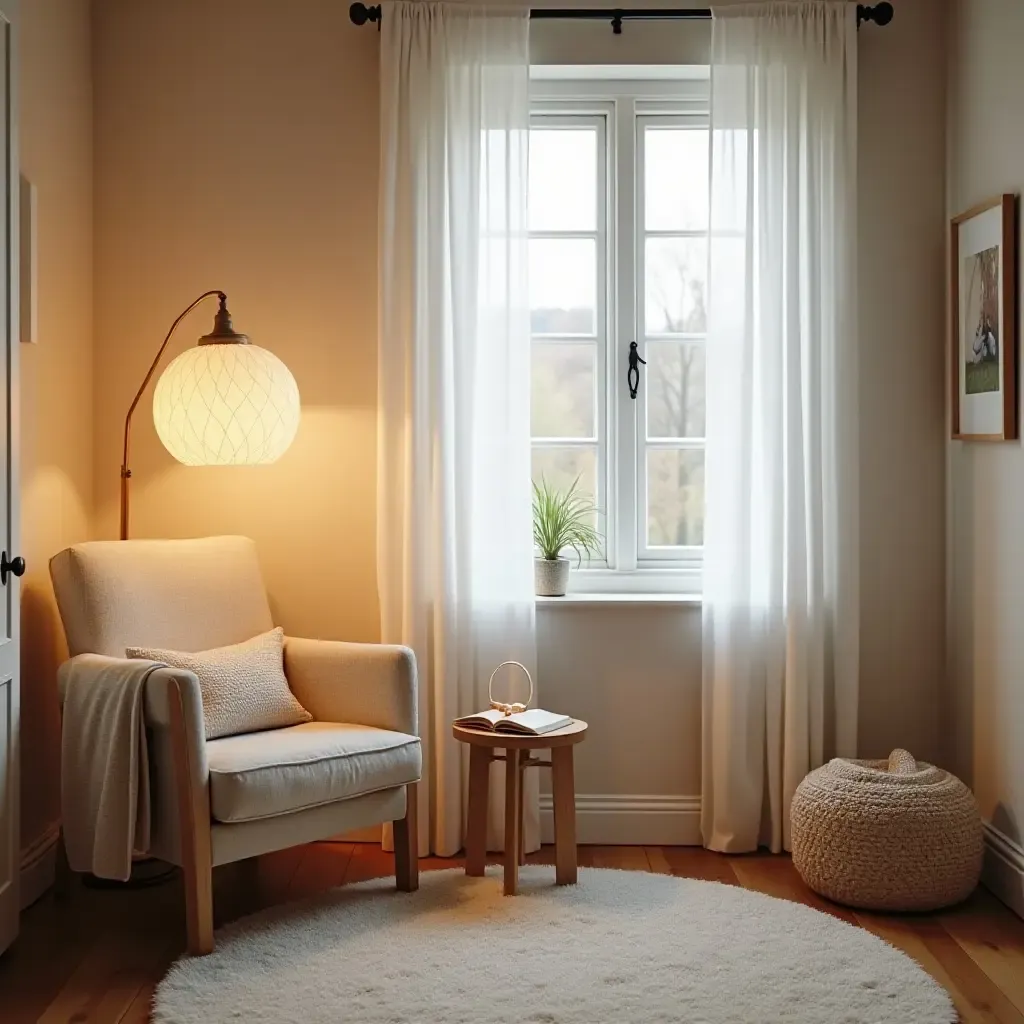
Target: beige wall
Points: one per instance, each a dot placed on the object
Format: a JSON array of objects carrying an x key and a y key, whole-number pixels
[
  {"x": 56, "y": 373},
  {"x": 985, "y": 699},
  {"x": 236, "y": 148},
  {"x": 633, "y": 673},
  {"x": 901, "y": 185},
  {"x": 259, "y": 176}
]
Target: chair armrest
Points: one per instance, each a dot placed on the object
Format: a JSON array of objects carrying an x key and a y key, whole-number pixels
[
  {"x": 366, "y": 684},
  {"x": 162, "y": 690}
]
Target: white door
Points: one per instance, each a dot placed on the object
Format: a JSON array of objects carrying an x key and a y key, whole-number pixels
[{"x": 9, "y": 495}]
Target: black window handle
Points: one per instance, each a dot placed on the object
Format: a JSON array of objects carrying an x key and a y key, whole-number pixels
[{"x": 633, "y": 373}]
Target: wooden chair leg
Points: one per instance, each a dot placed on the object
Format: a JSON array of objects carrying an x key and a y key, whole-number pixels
[
  {"x": 196, "y": 851},
  {"x": 198, "y": 878},
  {"x": 407, "y": 853}
]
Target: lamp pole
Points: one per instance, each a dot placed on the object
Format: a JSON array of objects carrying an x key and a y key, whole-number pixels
[{"x": 222, "y": 333}]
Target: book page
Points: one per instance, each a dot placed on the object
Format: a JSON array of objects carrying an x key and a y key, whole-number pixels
[
  {"x": 535, "y": 720},
  {"x": 481, "y": 720}
]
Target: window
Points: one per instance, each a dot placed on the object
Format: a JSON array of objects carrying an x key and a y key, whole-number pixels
[
  {"x": 569, "y": 301},
  {"x": 618, "y": 252}
]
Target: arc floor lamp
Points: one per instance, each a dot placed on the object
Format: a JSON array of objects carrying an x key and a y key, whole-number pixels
[{"x": 225, "y": 402}]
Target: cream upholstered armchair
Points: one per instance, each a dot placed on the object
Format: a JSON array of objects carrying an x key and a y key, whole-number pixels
[{"x": 218, "y": 801}]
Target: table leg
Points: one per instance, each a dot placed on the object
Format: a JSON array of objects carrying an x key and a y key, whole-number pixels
[
  {"x": 476, "y": 826},
  {"x": 564, "y": 799},
  {"x": 522, "y": 801},
  {"x": 513, "y": 798}
]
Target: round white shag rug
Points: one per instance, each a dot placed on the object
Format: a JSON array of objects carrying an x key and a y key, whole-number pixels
[{"x": 621, "y": 946}]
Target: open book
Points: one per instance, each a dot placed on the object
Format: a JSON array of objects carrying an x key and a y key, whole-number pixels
[{"x": 532, "y": 722}]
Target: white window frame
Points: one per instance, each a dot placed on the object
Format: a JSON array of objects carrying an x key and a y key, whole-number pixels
[
  {"x": 596, "y": 119},
  {"x": 623, "y": 104},
  {"x": 649, "y": 555}
]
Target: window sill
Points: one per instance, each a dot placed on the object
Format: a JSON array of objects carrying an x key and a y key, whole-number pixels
[{"x": 610, "y": 600}]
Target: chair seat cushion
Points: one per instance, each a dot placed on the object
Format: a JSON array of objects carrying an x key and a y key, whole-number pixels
[{"x": 263, "y": 774}]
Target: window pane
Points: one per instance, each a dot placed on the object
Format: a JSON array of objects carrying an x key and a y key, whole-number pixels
[
  {"x": 560, "y": 466},
  {"x": 675, "y": 389},
  {"x": 563, "y": 285},
  {"x": 563, "y": 179},
  {"x": 676, "y": 179},
  {"x": 675, "y": 497},
  {"x": 563, "y": 395},
  {"x": 675, "y": 282}
]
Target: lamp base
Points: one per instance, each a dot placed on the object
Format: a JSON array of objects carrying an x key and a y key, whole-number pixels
[{"x": 145, "y": 874}]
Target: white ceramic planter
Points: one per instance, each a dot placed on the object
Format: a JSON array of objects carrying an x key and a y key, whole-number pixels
[{"x": 550, "y": 576}]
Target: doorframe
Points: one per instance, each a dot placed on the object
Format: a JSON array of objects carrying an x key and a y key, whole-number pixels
[{"x": 10, "y": 312}]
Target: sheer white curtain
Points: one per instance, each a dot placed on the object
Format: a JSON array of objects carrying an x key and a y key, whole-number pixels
[
  {"x": 780, "y": 566},
  {"x": 454, "y": 541}
]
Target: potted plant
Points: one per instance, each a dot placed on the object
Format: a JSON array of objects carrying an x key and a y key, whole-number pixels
[{"x": 562, "y": 520}]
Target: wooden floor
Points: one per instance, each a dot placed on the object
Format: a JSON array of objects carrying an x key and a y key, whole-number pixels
[{"x": 96, "y": 957}]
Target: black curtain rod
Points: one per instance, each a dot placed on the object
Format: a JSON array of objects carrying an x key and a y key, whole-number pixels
[{"x": 880, "y": 14}]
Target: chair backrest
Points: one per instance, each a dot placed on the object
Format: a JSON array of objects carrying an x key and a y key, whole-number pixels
[{"x": 185, "y": 595}]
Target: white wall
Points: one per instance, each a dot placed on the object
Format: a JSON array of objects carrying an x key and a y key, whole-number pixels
[{"x": 985, "y": 696}]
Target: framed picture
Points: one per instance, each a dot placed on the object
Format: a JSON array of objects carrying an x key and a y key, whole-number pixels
[{"x": 983, "y": 327}]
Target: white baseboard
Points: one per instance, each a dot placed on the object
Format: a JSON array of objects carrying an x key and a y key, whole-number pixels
[
  {"x": 610, "y": 819},
  {"x": 38, "y": 866},
  {"x": 1003, "y": 872}
]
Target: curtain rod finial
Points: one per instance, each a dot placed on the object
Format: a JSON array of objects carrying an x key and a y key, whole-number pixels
[
  {"x": 880, "y": 14},
  {"x": 360, "y": 14}
]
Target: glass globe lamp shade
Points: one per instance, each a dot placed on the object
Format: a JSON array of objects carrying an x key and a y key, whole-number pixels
[{"x": 226, "y": 405}]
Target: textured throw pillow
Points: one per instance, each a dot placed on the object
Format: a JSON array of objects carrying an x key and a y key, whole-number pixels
[{"x": 244, "y": 685}]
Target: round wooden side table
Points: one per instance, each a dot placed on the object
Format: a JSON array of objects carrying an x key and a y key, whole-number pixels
[{"x": 518, "y": 757}]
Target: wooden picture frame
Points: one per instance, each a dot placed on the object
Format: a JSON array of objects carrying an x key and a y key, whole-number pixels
[{"x": 983, "y": 321}]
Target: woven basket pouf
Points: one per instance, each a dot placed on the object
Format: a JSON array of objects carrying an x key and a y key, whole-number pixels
[{"x": 886, "y": 835}]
